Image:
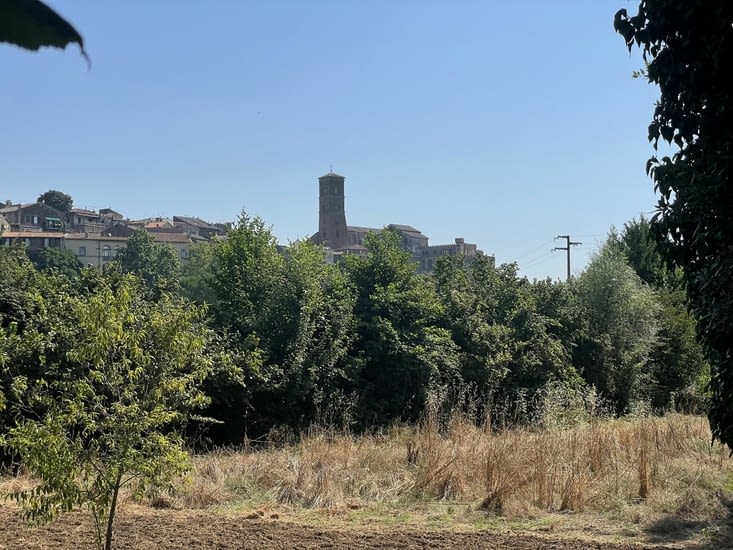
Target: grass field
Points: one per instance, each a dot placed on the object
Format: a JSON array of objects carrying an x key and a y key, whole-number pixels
[{"x": 653, "y": 480}]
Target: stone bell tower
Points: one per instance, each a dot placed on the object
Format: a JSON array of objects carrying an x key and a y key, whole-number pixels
[{"x": 331, "y": 214}]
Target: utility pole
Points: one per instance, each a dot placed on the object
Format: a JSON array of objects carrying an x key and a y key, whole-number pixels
[{"x": 566, "y": 248}]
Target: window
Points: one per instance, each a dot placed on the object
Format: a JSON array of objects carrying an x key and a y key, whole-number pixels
[
  {"x": 82, "y": 251},
  {"x": 184, "y": 253},
  {"x": 106, "y": 252},
  {"x": 31, "y": 219}
]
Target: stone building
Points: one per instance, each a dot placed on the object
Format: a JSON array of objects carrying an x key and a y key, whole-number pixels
[{"x": 342, "y": 239}]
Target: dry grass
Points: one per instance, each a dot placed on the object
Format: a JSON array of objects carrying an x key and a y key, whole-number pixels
[
  {"x": 639, "y": 468},
  {"x": 637, "y": 472}
]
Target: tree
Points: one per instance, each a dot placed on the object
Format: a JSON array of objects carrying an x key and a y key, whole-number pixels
[
  {"x": 320, "y": 314},
  {"x": 250, "y": 314},
  {"x": 155, "y": 263},
  {"x": 638, "y": 243},
  {"x": 688, "y": 48},
  {"x": 678, "y": 364},
  {"x": 197, "y": 271},
  {"x": 58, "y": 200},
  {"x": 288, "y": 319},
  {"x": 507, "y": 347},
  {"x": 63, "y": 262},
  {"x": 400, "y": 350},
  {"x": 112, "y": 407},
  {"x": 31, "y": 24},
  {"x": 619, "y": 329}
]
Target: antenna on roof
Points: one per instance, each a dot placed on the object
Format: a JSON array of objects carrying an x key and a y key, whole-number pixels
[{"x": 331, "y": 168}]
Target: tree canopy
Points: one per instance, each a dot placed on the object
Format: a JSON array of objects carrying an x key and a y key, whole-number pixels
[
  {"x": 58, "y": 200},
  {"x": 688, "y": 48}
]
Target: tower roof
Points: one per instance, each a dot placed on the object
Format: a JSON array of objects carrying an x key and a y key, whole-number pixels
[{"x": 332, "y": 175}]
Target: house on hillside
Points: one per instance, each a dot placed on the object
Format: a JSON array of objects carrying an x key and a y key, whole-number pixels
[
  {"x": 197, "y": 226},
  {"x": 110, "y": 217},
  {"x": 94, "y": 249},
  {"x": 36, "y": 216},
  {"x": 88, "y": 221},
  {"x": 33, "y": 240}
]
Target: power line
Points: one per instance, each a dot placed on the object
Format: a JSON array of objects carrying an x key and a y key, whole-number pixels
[{"x": 566, "y": 248}]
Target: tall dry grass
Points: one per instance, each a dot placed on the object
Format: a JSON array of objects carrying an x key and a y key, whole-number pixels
[{"x": 666, "y": 465}]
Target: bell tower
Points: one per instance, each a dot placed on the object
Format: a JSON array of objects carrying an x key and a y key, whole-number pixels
[{"x": 331, "y": 214}]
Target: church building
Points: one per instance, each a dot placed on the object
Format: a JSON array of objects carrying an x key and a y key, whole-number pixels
[{"x": 349, "y": 239}]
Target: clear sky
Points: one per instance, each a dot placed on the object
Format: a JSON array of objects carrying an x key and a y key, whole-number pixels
[{"x": 506, "y": 123}]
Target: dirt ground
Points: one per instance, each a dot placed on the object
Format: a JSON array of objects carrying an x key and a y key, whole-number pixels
[{"x": 147, "y": 529}]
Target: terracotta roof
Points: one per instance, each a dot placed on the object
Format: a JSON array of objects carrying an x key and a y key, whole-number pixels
[{"x": 158, "y": 223}]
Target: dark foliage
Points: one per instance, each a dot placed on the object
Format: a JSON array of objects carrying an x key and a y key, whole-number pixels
[{"x": 688, "y": 48}]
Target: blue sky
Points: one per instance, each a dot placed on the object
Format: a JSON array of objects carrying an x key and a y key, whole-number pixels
[{"x": 506, "y": 123}]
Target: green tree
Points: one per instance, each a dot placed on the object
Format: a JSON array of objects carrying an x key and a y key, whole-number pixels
[
  {"x": 680, "y": 372},
  {"x": 620, "y": 329},
  {"x": 155, "y": 263},
  {"x": 469, "y": 298},
  {"x": 507, "y": 345},
  {"x": 18, "y": 279},
  {"x": 288, "y": 316},
  {"x": 58, "y": 200},
  {"x": 250, "y": 315},
  {"x": 63, "y": 262},
  {"x": 112, "y": 409},
  {"x": 196, "y": 273},
  {"x": 400, "y": 349},
  {"x": 638, "y": 243},
  {"x": 688, "y": 48},
  {"x": 678, "y": 364}
]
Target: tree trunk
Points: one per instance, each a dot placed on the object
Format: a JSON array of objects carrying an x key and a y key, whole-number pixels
[{"x": 111, "y": 515}]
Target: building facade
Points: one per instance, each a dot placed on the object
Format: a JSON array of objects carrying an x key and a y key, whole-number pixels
[{"x": 341, "y": 239}]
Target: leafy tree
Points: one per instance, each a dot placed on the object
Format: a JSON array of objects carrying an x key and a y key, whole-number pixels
[
  {"x": 155, "y": 263},
  {"x": 507, "y": 345},
  {"x": 112, "y": 408},
  {"x": 248, "y": 312},
  {"x": 18, "y": 278},
  {"x": 63, "y": 262},
  {"x": 538, "y": 356},
  {"x": 638, "y": 243},
  {"x": 196, "y": 273},
  {"x": 470, "y": 300},
  {"x": 679, "y": 372},
  {"x": 688, "y": 48},
  {"x": 620, "y": 328},
  {"x": 400, "y": 350},
  {"x": 678, "y": 364},
  {"x": 320, "y": 303},
  {"x": 287, "y": 316},
  {"x": 58, "y": 200},
  {"x": 31, "y": 24}
]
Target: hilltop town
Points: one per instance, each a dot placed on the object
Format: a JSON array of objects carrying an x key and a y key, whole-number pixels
[{"x": 95, "y": 237}]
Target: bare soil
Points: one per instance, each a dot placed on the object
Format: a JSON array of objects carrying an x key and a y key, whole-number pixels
[{"x": 144, "y": 528}]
